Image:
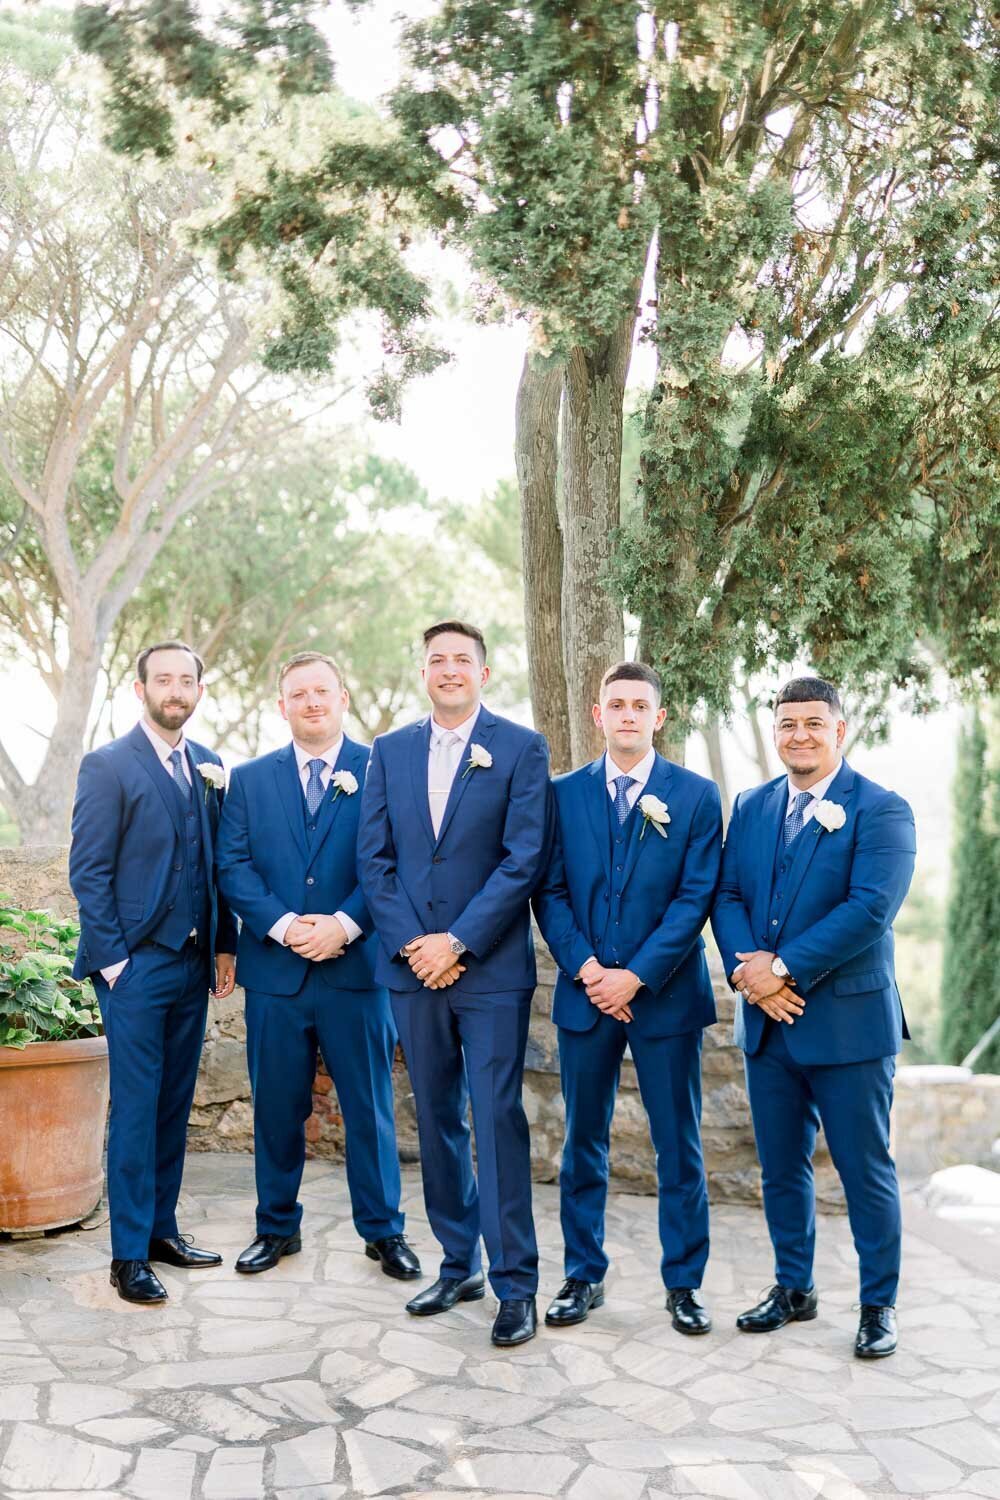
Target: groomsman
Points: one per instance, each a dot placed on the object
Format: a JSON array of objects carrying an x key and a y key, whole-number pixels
[
  {"x": 288, "y": 866},
  {"x": 628, "y": 890},
  {"x": 454, "y": 837},
  {"x": 154, "y": 936},
  {"x": 816, "y": 865}
]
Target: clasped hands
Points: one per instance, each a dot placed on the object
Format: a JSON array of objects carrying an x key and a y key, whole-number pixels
[
  {"x": 611, "y": 990},
  {"x": 317, "y": 936},
  {"x": 758, "y": 986},
  {"x": 432, "y": 960}
]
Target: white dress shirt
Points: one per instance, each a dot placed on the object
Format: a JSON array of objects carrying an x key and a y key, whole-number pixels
[
  {"x": 164, "y": 751},
  {"x": 818, "y": 790},
  {"x": 302, "y": 759},
  {"x": 640, "y": 775},
  {"x": 439, "y": 780}
]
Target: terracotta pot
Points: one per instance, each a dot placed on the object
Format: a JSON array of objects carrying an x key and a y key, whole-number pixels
[{"x": 53, "y": 1104}]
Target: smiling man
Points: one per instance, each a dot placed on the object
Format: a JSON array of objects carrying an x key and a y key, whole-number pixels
[
  {"x": 628, "y": 890},
  {"x": 454, "y": 837},
  {"x": 815, "y": 868},
  {"x": 288, "y": 865},
  {"x": 154, "y": 936}
]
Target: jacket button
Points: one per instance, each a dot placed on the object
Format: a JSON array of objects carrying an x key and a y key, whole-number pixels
[
  {"x": 178, "y": 867},
  {"x": 170, "y": 907},
  {"x": 774, "y": 921},
  {"x": 310, "y": 880},
  {"x": 436, "y": 859},
  {"x": 619, "y": 867}
]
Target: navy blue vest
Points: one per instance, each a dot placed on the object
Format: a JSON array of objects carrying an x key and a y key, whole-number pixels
[
  {"x": 190, "y": 909},
  {"x": 620, "y": 838}
]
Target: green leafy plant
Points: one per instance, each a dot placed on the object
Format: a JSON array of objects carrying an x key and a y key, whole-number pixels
[{"x": 40, "y": 1001}]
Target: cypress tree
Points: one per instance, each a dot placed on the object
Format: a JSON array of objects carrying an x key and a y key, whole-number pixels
[{"x": 970, "y": 1000}]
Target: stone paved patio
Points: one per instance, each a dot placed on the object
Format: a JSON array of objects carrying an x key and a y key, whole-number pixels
[{"x": 310, "y": 1383}]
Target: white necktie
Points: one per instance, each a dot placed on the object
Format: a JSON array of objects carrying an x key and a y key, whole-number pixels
[{"x": 444, "y": 759}]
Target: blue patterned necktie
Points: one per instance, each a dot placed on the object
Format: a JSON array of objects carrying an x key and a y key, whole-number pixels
[
  {"x": 622, "y": 784},
  {"x": 796, "y": 818},
  {"x": 314, "y": 786},
  {"x": 178, "y": 773}
]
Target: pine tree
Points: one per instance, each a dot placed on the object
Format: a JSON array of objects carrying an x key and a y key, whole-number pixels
[{"x": 970, "y": 1001}]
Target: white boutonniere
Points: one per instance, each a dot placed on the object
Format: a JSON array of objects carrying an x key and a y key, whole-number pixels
[
  {"x": 654, "y": 815},
  {"x": 830, "y": 815},
  {"x": 478, "y": 756},
  {"x": 214, "y": 776},
  {"x": 344, "y": 781}
]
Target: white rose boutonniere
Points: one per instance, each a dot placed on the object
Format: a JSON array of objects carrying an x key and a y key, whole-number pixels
[
  {"x": 654, "y": 815},
  {"x": 479, "y": 756},
  {"x": 214, "y": 776},
  {"x": 344, "y": 781},
  {"x": 830, "y": 815}
]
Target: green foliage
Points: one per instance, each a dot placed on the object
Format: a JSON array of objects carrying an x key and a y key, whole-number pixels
[
  {"x": 40, "y": 1001},
  {"x": 969, "y": 998}
]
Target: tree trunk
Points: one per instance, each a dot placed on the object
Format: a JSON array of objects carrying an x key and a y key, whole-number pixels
[
  {"x": 761, "y": 754},
  {"x": 593, "y": 629},
  {"x": 42, "y": 809},
  {"x": 536, "y": 453},
  {"x": 712, "y": 735}
]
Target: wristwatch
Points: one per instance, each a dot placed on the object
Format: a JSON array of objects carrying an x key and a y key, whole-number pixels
[
  {"x": 779, "y": 968},
  {"x": 456, "y": 945}
]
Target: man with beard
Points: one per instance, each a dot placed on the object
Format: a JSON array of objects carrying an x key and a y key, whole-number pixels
[{"x": 154, "y": 937}]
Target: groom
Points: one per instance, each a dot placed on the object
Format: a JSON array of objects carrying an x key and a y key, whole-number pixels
[
  {"x": 816, "y": 866},
  {"x": 453, "y": 839}
]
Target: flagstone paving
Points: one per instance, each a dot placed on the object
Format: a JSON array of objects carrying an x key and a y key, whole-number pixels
[{"x": 311, "y": 1383}]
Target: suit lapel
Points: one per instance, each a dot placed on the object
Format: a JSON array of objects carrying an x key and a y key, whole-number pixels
[
  {"x": 420, "y": 749},
  {"x": 153, "y": 766},
  {"x": 659, "y": 780},
  {"x": 201, "y": 791},
  {"x": 772, "y": 817},
  {"x": 807, "y": 842},
  {"x": 482, "y": 733},
  {"x": 286, "y": 775},
  {"x": 595, "y": 796},
  {"x": 333, "y": 802}
]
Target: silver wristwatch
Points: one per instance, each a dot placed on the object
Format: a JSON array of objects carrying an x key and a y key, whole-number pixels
[
  {"x": 779, "y": 968},
  {"x": 456, "y": 945}
]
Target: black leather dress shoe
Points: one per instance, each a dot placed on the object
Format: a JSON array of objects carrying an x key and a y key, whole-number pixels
[
  {"x": 781, "y": 1305},
  {"x": 876, "y": 1332},
  {"x": 397, "y": 1257},
  {"x": 266, "y": 1251},
  {"x": 688, "y": 1313},
  {"x": 136, "y": 1281},
  {"x": 573, "y": 1302},
  {"x": 178, "y": 1250},
  {"x": 445, "y": 1293},
  {"x": 515, "y": 1323}
]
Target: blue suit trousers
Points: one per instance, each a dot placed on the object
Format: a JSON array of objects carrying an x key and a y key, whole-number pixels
[
  {"x": 154, "y": 1020},
  {"x": 460, "y": 1047},
  {"x": 353, "y": 1031},
  {"x": 668, "y": 1069},
  {"x": 788, "y": 1101}
]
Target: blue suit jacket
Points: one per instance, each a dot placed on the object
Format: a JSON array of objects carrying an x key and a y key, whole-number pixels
[
  {"x": 267, "y": 867},
  {"x": 124, "y": 846},
  {"x": 476, "y": 878},
  {"x": 835, "y": 933},
  {"x": 669, "y": 884}
]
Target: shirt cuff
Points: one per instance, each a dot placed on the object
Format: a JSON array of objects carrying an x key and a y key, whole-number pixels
[
  {"x": 111, "y": 973},
  {"x": 591, "y": 959},
  {"x": 281, "y": 926},
  {"x": 349, "y": 925}
]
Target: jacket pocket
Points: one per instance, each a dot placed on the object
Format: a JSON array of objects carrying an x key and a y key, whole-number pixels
[
  {"x": 130, "y": 910},
  {"x": 861, "y": 984}
]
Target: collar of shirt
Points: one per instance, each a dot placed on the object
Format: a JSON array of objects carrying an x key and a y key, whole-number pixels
[
  {"x": 163, "y": 750},
  {"x": 463, "y": 730},
  {"x": 818, "y": 789},
  {"x": 640, "y": 774},
  {"x": 303, "y": 757}
]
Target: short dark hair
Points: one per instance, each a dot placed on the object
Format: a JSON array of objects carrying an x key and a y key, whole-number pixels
[
  {"x": 633, "y": 671},
  {"x": 457, "y": 627},
  {"x": 302, "y": 659},
  {"x": 142, "y": 660},
  {"x": 810, "y": 690}
]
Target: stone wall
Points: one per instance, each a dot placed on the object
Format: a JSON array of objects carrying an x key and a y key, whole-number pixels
[
  {"x": 222, "y": 1117},
  {"x": 945, "y": 1117}
]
